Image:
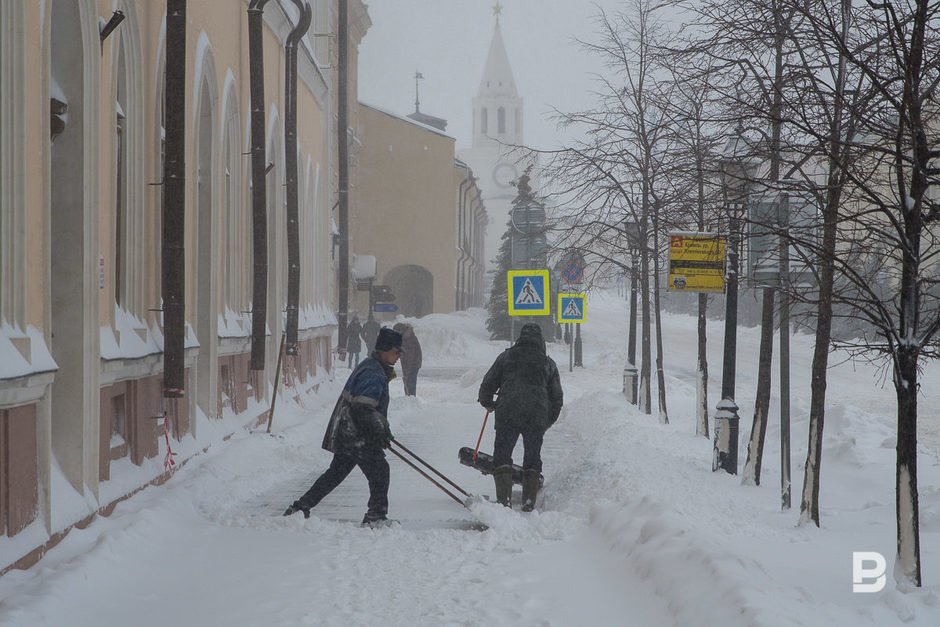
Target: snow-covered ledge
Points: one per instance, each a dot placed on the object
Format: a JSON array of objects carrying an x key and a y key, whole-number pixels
[{"x": 26, "y": 365}]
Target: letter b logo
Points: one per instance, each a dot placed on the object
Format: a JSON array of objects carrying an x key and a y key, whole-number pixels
[{"x": 868, "y": 571}]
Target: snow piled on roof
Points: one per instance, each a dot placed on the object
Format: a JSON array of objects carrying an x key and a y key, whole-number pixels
[
  {"x": 13, "y": 363},
  {"x": 408, "y": 120}
]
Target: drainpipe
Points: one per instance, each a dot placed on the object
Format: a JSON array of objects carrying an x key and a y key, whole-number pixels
[
  {"x": 342, "y": 125},
  {"x": 174, "y": 202},
  {"x": 461, "y": 230},
  {"x": 479, "y": 252},
  {"x": 290, "y": 161},
  {"x": 259, "y": 212}
]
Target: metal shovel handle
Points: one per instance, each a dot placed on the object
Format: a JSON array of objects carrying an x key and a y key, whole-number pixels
[
  {"x": 428, "y": 477},
  {"x": 432, "y": 468}
]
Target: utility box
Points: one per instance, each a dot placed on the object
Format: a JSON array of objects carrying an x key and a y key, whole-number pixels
[{"x": 630, "y": 379}]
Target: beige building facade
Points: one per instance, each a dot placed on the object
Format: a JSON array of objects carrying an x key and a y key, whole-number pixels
[
  {"x": 81, "y": 164},
  {"x": 419, "y": 212}
]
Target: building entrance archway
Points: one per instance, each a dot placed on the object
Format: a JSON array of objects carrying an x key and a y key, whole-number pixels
[{"x": 413, "y": 287}]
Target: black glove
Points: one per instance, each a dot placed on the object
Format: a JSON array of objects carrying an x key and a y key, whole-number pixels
[
  {"x": 388, "y": 439},
  {"x": 488, "y": 405}
]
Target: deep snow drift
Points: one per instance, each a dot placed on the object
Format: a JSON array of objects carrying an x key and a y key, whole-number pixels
[{"x": 633, "y": 529}]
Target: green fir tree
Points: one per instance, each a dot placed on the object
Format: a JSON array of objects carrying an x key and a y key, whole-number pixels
[{"x": 498, "y": 323}]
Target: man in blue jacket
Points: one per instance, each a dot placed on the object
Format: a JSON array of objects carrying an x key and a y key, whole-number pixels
[{"x": 358, "y": 432}]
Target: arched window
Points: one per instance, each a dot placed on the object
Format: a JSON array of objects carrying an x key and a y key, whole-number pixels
[
  {"x": 208, "y": 285},
  {"x": 501, "y": 120},
  {"x": 484, "y": 127},
  {"x": 128, "y": 258},
  {"x": 233, "y": 216}
]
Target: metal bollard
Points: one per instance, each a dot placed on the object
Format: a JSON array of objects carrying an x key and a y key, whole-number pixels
[
  {"x": 725, "y": 452},
  {"x": 630, "y": 379}
]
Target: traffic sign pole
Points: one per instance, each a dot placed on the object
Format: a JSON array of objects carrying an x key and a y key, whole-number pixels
[{"x": 577, "y": 347}]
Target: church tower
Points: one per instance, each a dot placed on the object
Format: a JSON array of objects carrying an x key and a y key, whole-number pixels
[
  {"x": 497, "y": 125},
  {"x": 497, "y": 107}
]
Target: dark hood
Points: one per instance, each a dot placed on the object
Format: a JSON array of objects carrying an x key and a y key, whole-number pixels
[{"x": 531, "y": 335}]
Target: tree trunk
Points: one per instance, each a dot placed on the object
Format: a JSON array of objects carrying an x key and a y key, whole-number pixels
[
  {"x": 701, "y": 410},
  {"x": 660, "y": 374},
  {"x": 645, "y": 399},
  {"x": 809, "y": 504},
  {"x": 755, "y": 446},
  {"x": 908, "y": 515}
]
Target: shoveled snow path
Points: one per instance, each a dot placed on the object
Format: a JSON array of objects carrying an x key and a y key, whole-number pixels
[{"x": 540, "y": 568}]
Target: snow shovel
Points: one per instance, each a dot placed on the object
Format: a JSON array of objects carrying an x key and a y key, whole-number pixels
[
  {"x": 480, "y": 439},
  {"x": 483, "y": 462},
  {"x": 465, "y": 502}
]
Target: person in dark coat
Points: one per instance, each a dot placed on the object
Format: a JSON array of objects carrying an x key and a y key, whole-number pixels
[
  {"x": 370, "y": 331},
  {"x": 358, "y": 432},
  {"x": 411, "y": 359},
  {"x": 529, "y": 402},
  {"x": 353, "y": 341}
]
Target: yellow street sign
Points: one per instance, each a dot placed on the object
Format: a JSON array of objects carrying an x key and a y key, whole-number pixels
[
  {"x": 571, "y": 308},
  {"x": 529, "y": 293},
  {"x": 696, "y": 262}
]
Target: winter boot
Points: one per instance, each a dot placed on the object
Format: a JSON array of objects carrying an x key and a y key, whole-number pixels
[
  {"x": 295, "y": 507},
  {"x": 377, "y": 521},
  {"x": 503, "y": 478},
  {"x": 530, "y": 488}
]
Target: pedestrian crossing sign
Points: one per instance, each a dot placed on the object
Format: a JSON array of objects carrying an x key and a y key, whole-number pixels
[
  {"x": 528, "y": 293},
  {"x": 571, "y": 308}
]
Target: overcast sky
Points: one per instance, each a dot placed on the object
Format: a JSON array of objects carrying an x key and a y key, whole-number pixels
[{"x": 447, "y": 41}]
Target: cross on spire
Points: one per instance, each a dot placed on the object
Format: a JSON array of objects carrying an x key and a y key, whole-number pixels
[{"x": 497, "y": 10}]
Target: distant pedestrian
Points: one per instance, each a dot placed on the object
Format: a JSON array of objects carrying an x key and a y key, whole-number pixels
[
  {"x": 411, "y": 359},
  {"x": 370, "y": 331},
  {"x": 358, "y": 432},
  {"x": 353, "y": 341},
  {"x": 529, "y": 402}
]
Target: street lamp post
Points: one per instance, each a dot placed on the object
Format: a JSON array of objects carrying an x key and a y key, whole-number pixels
[{"x": 725, "y": 452}]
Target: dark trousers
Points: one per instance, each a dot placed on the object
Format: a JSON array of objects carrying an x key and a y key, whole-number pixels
[
  {"x": 353, "y": 356},
  {"x": 411, "y": 381},
  {"x": 506, "y": 438},
  {"x": 372, "y": 464}
]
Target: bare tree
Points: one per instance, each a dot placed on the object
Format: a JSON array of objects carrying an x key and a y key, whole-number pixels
[
  {"x": 895, "y": 50},
  {"x": 617, "y": 172},
  {"x": 748, "y": 39},
  {"x": 696, "y": 143}
]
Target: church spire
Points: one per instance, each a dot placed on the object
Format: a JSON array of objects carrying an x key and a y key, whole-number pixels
[
  {"x": 497, "y": 106},
  {"x": 497, "y": 78}
]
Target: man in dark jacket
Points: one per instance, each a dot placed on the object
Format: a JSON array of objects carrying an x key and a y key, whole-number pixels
[
  {"x": 370, "y": 331},
  {"x": 358, "y": 431},
  {"x": 411, "y": 359},
  {"x": 530, "y": 400},
  {"x": 353, "y": 340}
]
